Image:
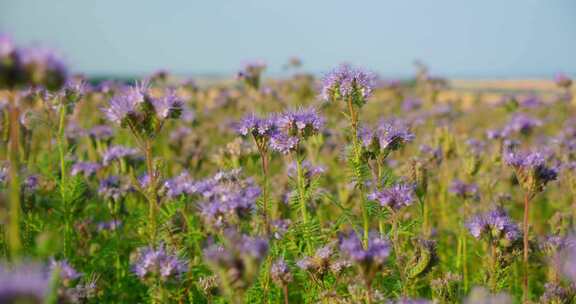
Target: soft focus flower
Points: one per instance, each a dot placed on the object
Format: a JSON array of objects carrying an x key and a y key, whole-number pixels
[
  {"x": 115, "y": 153},
  {"x": 395, "y": 197},
  {"x": 387, "y": 137},
  {"x": 237, "y": 261},
  {"x": 159, "y": 263},
  {"x": 521, "y": 123},
  {"x": 280, "y": 273},
  {"x": 85, "y": 168},
  {"x": 251, "y": 73},
  {"x": 562, "y": 80},
  {"x": 494, "y": 225},
  {"x": 463, "y": 190},
  {"x": 66, "y": 272},
  {"x": 112, "y": 188},
  {"x": 531, "y": 170},
  {"x": 226, "y": 198},
  {"x": 370, "y": 259},
  {"x": 480, "y": 295},
  {"x": 24, "y": 284}
]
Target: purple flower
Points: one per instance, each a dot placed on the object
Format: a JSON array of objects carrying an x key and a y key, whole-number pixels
[
  {"x": 168, "y": 106},
  {"x": 521, "y": 123},
  {"x": 283, "y": 143},
  {"x": 117, "y": 153},
  {"x": 101, "y": 132},
  {"x": 476, "y": 147},
  {"x": 411, "y": 104},
  {"x": 66, "y": 271},
  {"x": 463, "y": 190},
  {"x": 124, "y": 104},
  {"x": 85, "y": 168},
  {"x": 110, "y": 225},
  {"x": 369, "y": 259},
  {"x": 562, "y": 80},
  {"x": 346, "y": 82},
  {"x": 112, "y": 188},
  {"x": 309, "y": 171},
  {"x": 555, "y": 293},
  {"x": 280, "y": 273},
  {"x": 251, "y": 72},
  {"x": 158, "y": 262},
  {"x": 495, "y": 225},
  {"x": 24, "y": 283},
  {"x": 256, "y": 126},
  {"x": 280, "y": 227},
  {"x": 179, "y": 185},
  {"x": 319, "y": 264},
  {"x": 409, "y": 301},
  {"x": 238, "y": 259},
  {"x": 387, "y": 137},
  {"x": 395, "y": 197},
  {"x": 302, "y": 122},
  {"x": 31, "y": 183},
  {"x": 531, "y": 170},
  {"x": 226, "y": 198}
]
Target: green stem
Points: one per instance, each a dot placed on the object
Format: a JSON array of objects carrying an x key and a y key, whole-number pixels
[
  {"x": 62, "y": 154},
  {"x": 14, "y": 241},
  {"x": 525, "y": 291},
  {"x": 152, "y": 196},
  {"x": 302, "y": 200}
]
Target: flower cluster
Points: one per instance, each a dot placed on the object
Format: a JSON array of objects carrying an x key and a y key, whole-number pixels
[
  {"x": 116, "y": 153},
  {"x": 369, "y": 259},
  {"x": 294, "y": 126},
  {"x": 137, "y": 109},
  {"x": 464, "y": 190},
  {"x": 24, "y": 284},
  {"x": 387, "y": 137},
  {"x": 521, "y": 123},
  {"x": 496, "y": 226},
  {"x": 318, "y": 264},
  {"x": 113, "y": 188},
  {"x": 531, "y": 170},
  {"x": 237, "y": 260},
  {"x": 158, "y": 263},
  {"x": 226, "y": 198},
  {"x": 85, "y": 168},
  {"x": 346, "y": 82},
  {"x": 251, "y": 72},
  {"x": 34, "y": 66},
  {"x": 395, "y": 197},
  {"x": 280, "y": 273}
]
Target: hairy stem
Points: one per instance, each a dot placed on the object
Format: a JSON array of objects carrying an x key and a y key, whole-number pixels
[{"x": 152, "y": 196}]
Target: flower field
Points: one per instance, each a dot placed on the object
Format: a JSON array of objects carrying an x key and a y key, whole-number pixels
[{"x": 343, "y": 187}]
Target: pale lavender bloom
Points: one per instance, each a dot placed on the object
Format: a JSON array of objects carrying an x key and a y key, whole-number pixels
[
  {"x": 158, "y": 262},
  {"x": 101, "y": 132},
  {"x": 411, "y": 104},
  {"x": 283, "y": 143},
  {"x": 117, "y": 153},
  {"x": 347, "y": 82},
  {"x": 531, "y": 169},
  {"x": 370, "y": 258},
  {"x": 42, "y": 57},
  {"x": 556, "y": 294},
  {"x": 522, "y": 123},
  {"x": 280, "y": 227},
  {"x": 480, "y": 295},
  {"x": 113, "y": 188},
  {"x": 388, "y": 136},
  {"x": 256, "y": 126},
  {"x": 66, "y": 271},
  {"x": 463, "y": 190},
  {"x": 179, "y": 185},
  {"x": 179, "y": 134},
  {"x": 309, "y": 171},
  {"x": 280, "y": 273},
  {"x": 319, "y": 263},
  {"x": 226, "y": 197},
  {"x": 475, "y": 146},
  {"x": 24, "y": 283},
  {"x": 168, "y": 106},
  {"x": 531, "y": 101},
  {"x": 494, "y": 225},
  {"x": 125, "y": 103},
  {"x": 562, "y": 80},
  {"x": 395, "y": 197},
  {"x": 495, "y": 134},
  {"x": 31, "y": 183},
  {"x": 251, "y": 72},
  {"x": 85, "y": 168},
  {"x": 302, "y": 122}
]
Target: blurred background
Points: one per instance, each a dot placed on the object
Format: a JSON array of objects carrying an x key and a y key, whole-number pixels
[{"x": 457, "y": 39}]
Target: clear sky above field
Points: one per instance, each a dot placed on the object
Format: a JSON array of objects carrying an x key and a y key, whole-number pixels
[{"x": 456, "y": 38}]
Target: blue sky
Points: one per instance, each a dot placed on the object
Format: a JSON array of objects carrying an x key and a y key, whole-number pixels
[{"x": 490, "y": 38}]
